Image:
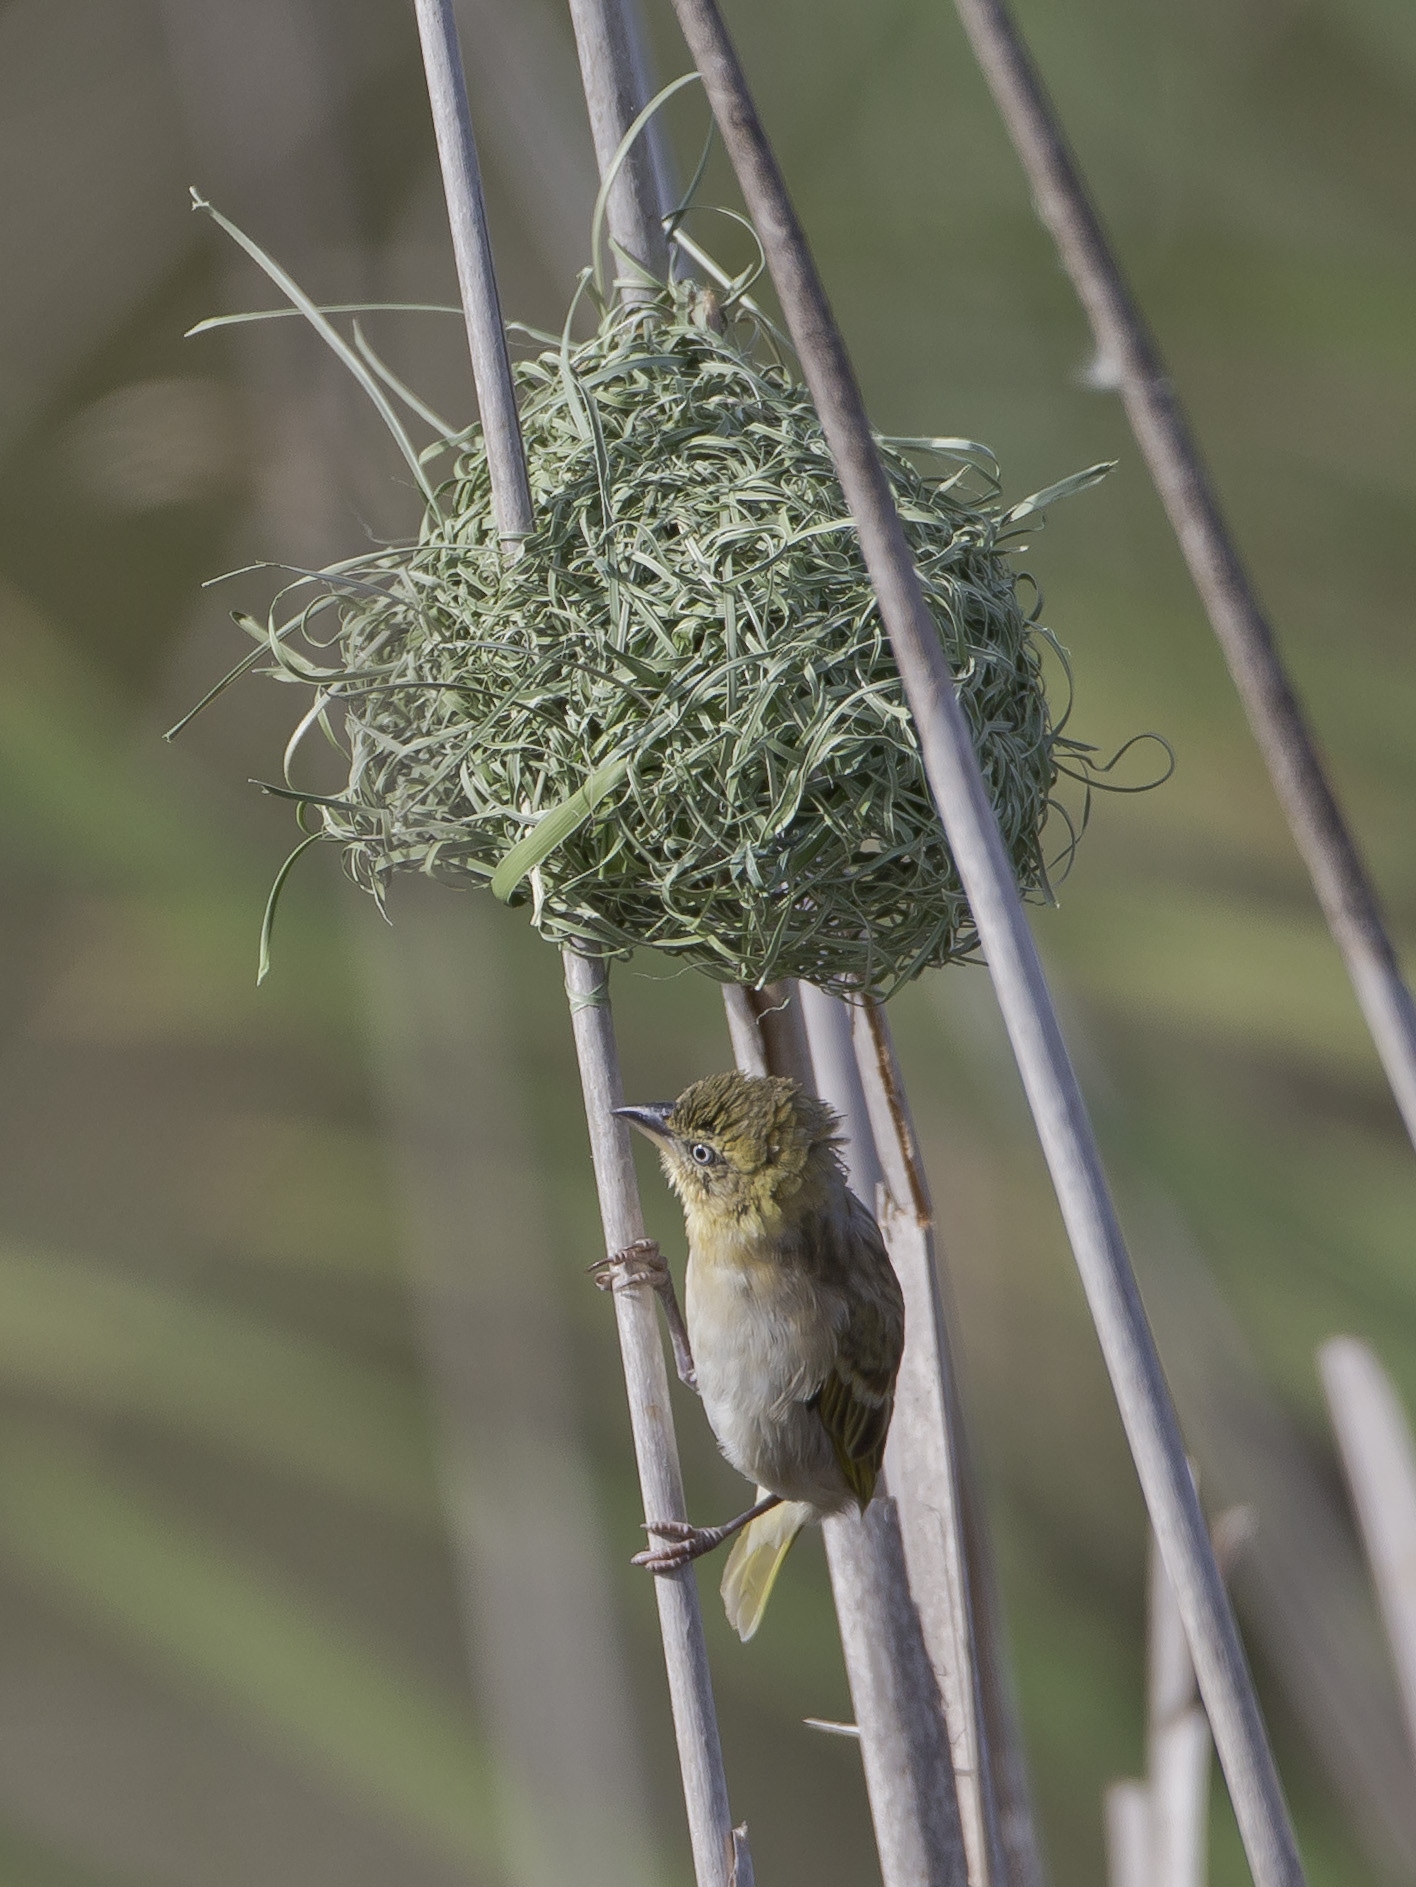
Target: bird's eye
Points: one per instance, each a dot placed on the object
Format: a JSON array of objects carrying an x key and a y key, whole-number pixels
[{"x": 701, "y": 1153}]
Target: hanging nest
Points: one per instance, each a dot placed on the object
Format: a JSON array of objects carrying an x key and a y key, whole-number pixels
[{"x": 675, "y": 720}]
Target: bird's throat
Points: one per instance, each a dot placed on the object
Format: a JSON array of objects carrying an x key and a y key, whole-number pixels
[{"x": 731, "y": 1241}]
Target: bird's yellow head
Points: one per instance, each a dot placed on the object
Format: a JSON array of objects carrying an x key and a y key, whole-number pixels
[{"x": 744, "y": 1147}]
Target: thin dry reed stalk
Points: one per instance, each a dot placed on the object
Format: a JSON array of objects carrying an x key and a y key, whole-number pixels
[
  {"x": 476, "y": 275},
  {"x": 1177, "y": 1744},
  {"x": 1379, "y": 1460},
  {"x": 922, "y": 1456},
  {"x": 1128, "y": 350},
  {"x": 1304, "y": 1585},
  {"x": 720, "y": 1854},
  {"x": 974, "y": 838},
  {"x": 1157, "y": 1830},
  {"x": 614, "y": 71},
  {"x": 945, "y": 1528},
  {"x": 1128, "y": 1857}
]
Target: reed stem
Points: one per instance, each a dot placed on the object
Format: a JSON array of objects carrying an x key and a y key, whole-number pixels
[
  {"x": 1125, "y": 344},
  {"x": 1379, "y": 1460},
  {"x": 922, "y": 1454},
  {"x": 945, "y": 1528},
  {"x": 1177, "y": 1744},
  {"x": 1064, "y": 1128},
  {"x": 720, "y": 1855},
  {"x": 1126, "y": 1807},
  {"x": 614, "y": 76},
  {"x": 476, "y": 275},
  {"x": 614, "y": 71}
]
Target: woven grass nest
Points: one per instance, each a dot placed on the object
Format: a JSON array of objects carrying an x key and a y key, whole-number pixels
[{"x": 675, "y": 721}]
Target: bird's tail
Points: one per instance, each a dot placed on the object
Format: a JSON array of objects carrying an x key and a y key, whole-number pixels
[{"x": 755, "y": 1561}]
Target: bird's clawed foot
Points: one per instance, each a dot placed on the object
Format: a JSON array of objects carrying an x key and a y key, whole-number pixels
[
  {"x": 639, "y": 1263},
  {"x": 686, "y": 1543},
  {"x": 643, "y": 1263}
]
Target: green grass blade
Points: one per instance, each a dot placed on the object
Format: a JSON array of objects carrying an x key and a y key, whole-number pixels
[
  {"x": 1064, "y": 488},
  {"x": 331, "y": 336},
  {"x": 553, "y": 828},
  {"x": 328, "y": 308},
  {"x": 442, "y": 427},
  {"x": 616, "y": 164},
  {"x": 268, "y": 921}
]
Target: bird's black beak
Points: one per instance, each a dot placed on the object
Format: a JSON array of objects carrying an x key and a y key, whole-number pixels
[{"x": 652, "y": 1120}]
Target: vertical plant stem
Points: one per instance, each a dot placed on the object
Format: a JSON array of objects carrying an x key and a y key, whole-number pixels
[
  {"x": 1178, "y": 1744},
  {"x": 743, "y": 1031},
  {"x": 986, "y": 872},
  {"x": 1156, "y": 1830},
  {"x": 1307, "y": 1588},
  {"x": 768, "y": 1031},
  {"x": 921, "y": 1456},
  {"x": 720, "y": 1857},
  {"x": 904, "y": 1743},
  {"x": 613, "y": 67},
  {"x": 1379, "y": 1459},
  {"x": 941, "y": 1512},
  {"x": 904, "y": 1736},
  {"x": 476, "y": 276},
  {"x": 1323, "y": 837},
  {"x": 720, "y": 1854},
  {"x": 1126, "y": 1806}
]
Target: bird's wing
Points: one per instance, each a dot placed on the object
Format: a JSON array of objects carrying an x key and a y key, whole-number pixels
[{"x": 857, "y": 1398}]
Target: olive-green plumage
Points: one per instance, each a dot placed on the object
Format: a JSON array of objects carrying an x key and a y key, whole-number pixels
[{"x": 794, "y": 1314}]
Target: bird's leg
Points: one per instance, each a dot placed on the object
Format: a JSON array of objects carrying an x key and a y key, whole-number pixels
[
  {"x": 643, "y": 1263},
  {"x": 687, "y": 1542}
]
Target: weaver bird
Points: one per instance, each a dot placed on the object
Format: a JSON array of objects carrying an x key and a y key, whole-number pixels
[{"x": 795, "y": 1320}]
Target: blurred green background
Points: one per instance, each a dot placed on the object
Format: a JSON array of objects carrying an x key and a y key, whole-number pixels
[{"x": 316, "y": 1497}]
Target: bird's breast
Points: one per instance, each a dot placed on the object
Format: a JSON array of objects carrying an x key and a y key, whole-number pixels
[{"x": 763, "y": 1342}]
